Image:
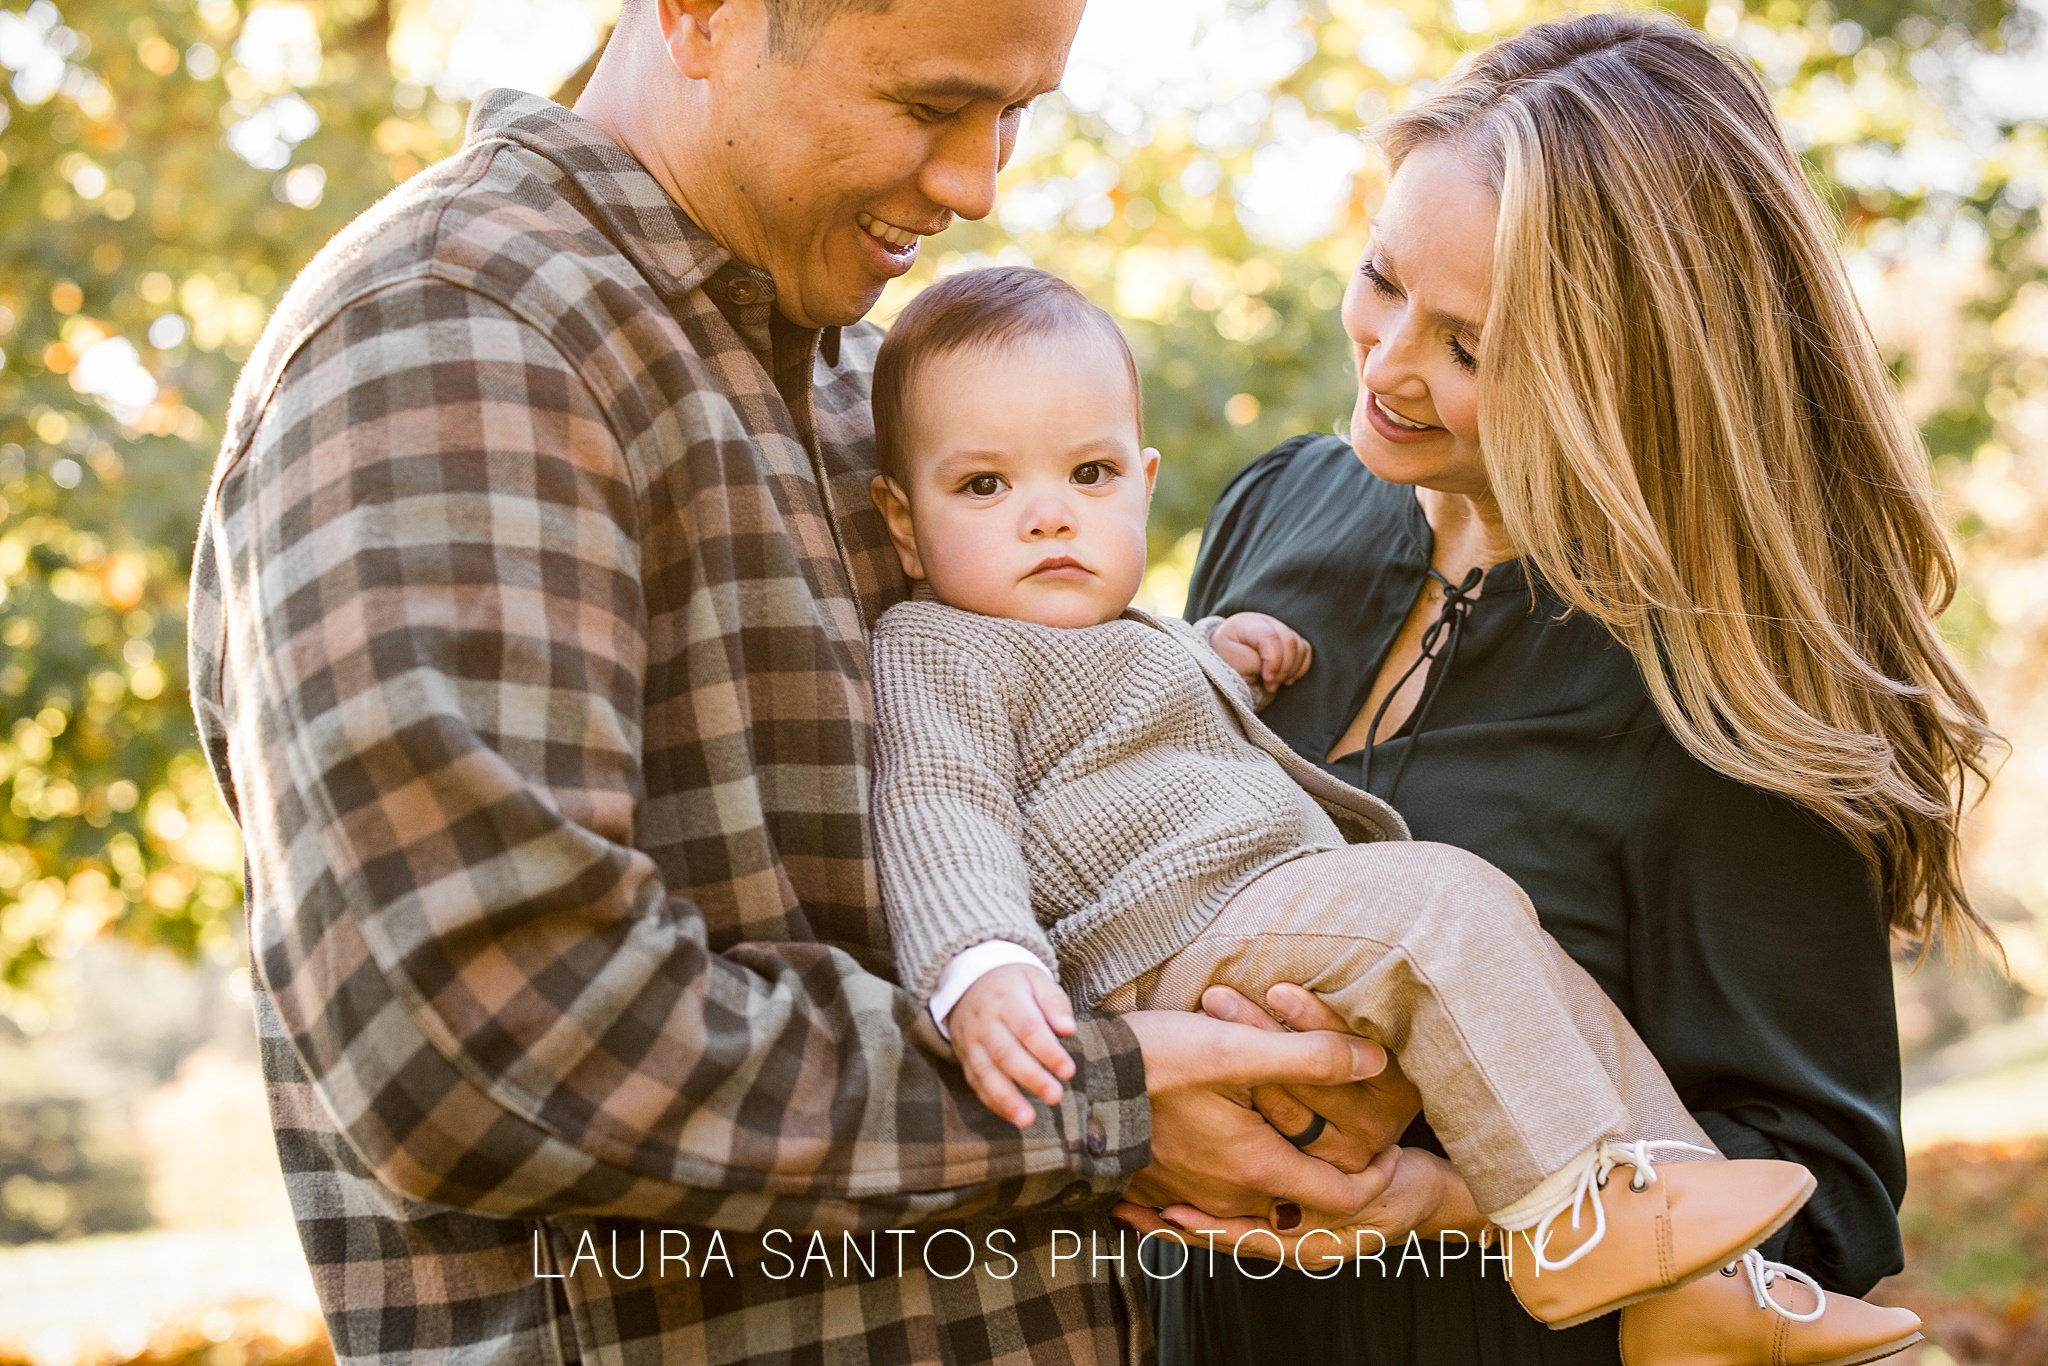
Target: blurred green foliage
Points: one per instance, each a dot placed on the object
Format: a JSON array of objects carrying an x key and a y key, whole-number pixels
[{"x": 166, "y": 165}]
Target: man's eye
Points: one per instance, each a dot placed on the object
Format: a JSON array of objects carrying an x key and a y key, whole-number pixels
[
  {"x": 984, "y": 486},
  {"x": 931, "y": 113},
  {"x": 1094, "y": 472}
]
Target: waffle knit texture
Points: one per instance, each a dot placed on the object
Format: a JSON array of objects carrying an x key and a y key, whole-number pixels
[{"x": 1094, "y": 794}]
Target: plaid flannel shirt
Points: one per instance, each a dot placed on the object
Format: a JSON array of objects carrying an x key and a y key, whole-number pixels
[{"x": 529, "y": 647}]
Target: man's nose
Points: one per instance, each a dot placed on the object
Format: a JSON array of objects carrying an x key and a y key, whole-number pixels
[{"x": 960, "y": 175}]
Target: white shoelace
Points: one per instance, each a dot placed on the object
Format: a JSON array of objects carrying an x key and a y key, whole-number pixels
[
  {"x": 1610, "y": 1154},
  {"x": 1762, "y": 1273}
]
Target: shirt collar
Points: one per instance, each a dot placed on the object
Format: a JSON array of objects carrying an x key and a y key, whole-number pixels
[{"x": 675, "y": 255}]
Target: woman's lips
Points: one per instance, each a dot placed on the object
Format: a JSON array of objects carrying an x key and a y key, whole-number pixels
[{"x": 1389, "y": 426}]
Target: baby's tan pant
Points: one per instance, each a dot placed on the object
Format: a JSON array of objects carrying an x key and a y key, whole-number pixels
[{"x": 1522, "y": 1061}]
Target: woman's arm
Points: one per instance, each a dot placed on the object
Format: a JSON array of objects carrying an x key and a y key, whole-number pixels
[{"x": 1760, "y": 976}]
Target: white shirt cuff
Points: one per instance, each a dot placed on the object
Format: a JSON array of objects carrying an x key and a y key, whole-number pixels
[{"x": 970, "y": 966}]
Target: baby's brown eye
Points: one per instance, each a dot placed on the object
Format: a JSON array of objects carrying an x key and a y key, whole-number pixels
[
  {"x": 1094, "y": 472},
  {"x": 984, "y": 486}
]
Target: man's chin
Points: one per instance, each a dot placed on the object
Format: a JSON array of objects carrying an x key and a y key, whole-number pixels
[{"x": 832, "y": 308}]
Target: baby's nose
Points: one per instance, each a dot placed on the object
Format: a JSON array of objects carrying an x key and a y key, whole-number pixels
[{"x": 1048, "y": 517}]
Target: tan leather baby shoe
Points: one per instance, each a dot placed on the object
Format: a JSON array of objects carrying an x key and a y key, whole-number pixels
[
  {"x": 1660, "y": 1228},
  {"x": 1761, "y": 1313}
]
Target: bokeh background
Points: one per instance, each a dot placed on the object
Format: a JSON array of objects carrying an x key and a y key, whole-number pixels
[{"x": 165, "y": 167}]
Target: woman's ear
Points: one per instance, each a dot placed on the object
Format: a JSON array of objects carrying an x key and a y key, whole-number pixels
[{"x": 895, "y": 509}]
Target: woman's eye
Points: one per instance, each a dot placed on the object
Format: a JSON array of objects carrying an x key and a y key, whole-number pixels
[
  {"x": 1379, "y": 282},
  {"x": 1463, "y": 358},
  {"x": 984, "y": 486},
  {"x": 1094, "y": 472}
]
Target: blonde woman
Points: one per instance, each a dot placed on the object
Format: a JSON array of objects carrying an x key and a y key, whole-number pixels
[{"x": 1627, "y": 581}]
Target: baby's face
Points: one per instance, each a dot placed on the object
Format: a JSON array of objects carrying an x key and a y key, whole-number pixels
[{"x": 1028, "y": 492}]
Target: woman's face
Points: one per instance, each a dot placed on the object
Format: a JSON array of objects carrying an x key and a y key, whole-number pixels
[{"x": 1413, "y": 311}]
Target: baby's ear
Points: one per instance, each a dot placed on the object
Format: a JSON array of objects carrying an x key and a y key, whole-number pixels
[
  {"x": 894, "y": 506},
  {"x": 1149, "y": 458}
]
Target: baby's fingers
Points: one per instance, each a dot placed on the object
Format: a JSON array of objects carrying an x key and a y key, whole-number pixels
[
  {"x": 1300, "y": 654},
  {"x": 1059, "y": 1011},
  {"x": 1037, "y": 1038},
  {"x": 995, "y": 1089},
  {"x": 1019, "y": 1064}
]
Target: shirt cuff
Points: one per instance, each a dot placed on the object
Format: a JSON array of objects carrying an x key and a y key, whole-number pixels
[{"x": 968, "y": 967}]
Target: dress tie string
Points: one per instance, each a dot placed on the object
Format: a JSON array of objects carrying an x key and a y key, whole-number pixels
[{"x": 1443, "y": 635}]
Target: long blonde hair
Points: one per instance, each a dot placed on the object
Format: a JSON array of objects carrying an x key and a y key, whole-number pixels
[{"x": 1693, "y": 440}]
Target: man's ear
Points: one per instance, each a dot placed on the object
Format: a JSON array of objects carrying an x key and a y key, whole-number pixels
[
  {"x": 895, "y": 510},
  {"x": 1149, "y": 457},
  {"x": 686, "y": 33}
]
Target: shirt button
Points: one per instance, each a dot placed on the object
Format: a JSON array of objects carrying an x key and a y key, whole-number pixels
[
  {"x": 1097, "y": 1141},
  {"x": 1074, "y": 1194},
  {"x": 745, "y": 291}
]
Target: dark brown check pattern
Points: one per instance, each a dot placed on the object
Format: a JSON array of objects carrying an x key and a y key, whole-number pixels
[{"x": 529, "y": 637}]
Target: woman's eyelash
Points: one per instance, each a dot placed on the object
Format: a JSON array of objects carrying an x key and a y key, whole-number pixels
[{"x": 1464, "y": 359}]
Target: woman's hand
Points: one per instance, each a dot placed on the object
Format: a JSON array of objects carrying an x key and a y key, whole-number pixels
[
  {"x": 1362, "y": 1118},
  {"x": 1419, "y": 1194}
]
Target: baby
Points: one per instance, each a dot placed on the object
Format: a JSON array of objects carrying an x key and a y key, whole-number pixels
[{"x": 1071, "y": 790}]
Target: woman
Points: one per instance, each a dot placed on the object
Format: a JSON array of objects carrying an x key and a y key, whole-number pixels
[{"x": 1627, "y": 581}]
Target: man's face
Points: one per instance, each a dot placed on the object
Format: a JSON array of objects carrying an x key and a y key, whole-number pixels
[{"x": 874, "y": 133}]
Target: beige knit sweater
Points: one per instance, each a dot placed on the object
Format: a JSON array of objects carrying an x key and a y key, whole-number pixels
[{"x": 1092, "y": 794}]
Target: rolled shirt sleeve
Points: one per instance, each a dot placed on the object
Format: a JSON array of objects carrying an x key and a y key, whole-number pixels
[{"x": 436, "y": 654}]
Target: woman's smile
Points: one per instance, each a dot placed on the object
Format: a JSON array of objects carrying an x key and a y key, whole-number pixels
[{"x": 1390, "y": 424}]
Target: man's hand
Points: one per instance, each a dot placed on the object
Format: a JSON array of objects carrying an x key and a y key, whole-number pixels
[
  {"x": 1417, "y": 1192},
  {"x": 1363, "y": 1118},
  {"x": 1003, "y": 1033},
  {"x": 1266, "y": 651},
  {"x": 1210, "y": 1148}
]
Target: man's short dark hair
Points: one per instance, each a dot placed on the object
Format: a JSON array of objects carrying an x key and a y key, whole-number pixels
[
  {"x": 792, "y": 24},
  {"x": 978, "y": 310}
]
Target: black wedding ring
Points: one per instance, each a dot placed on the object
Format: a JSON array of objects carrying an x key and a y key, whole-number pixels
[{"x": 1314, "y": 1131}]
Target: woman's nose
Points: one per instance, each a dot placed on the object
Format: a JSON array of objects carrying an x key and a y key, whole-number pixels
[{"x": 1390, "y": 366}]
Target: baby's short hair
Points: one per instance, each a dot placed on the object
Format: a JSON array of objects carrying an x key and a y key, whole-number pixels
[{"x": 977, "y": 310}]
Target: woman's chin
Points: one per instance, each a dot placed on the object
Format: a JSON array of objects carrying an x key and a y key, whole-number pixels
[{"x": 1389, "y": 462}]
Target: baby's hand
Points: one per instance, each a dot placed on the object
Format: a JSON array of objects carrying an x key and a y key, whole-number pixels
[
  {"x": 1002, "y": 1030},
  {"x": 1268, "y": 652}
]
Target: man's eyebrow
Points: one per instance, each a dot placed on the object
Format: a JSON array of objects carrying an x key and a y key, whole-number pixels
[
  {"x": 967, "y": 88},
  {"x": 1393, "y": 273}
]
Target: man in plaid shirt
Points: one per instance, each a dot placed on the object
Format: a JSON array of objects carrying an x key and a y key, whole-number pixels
[{"x": 529, "y": 649}]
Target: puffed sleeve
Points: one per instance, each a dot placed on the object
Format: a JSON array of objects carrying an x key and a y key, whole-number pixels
[
  {"x": 1760, "y": 972},
  {"x": 1224, "y": 539}
]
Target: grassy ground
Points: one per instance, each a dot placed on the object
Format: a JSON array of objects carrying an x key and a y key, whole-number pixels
[{"x": 1976, "y": 1227}]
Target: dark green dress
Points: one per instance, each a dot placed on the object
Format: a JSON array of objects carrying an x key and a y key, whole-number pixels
[{"x": 1741, "y": 937}]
